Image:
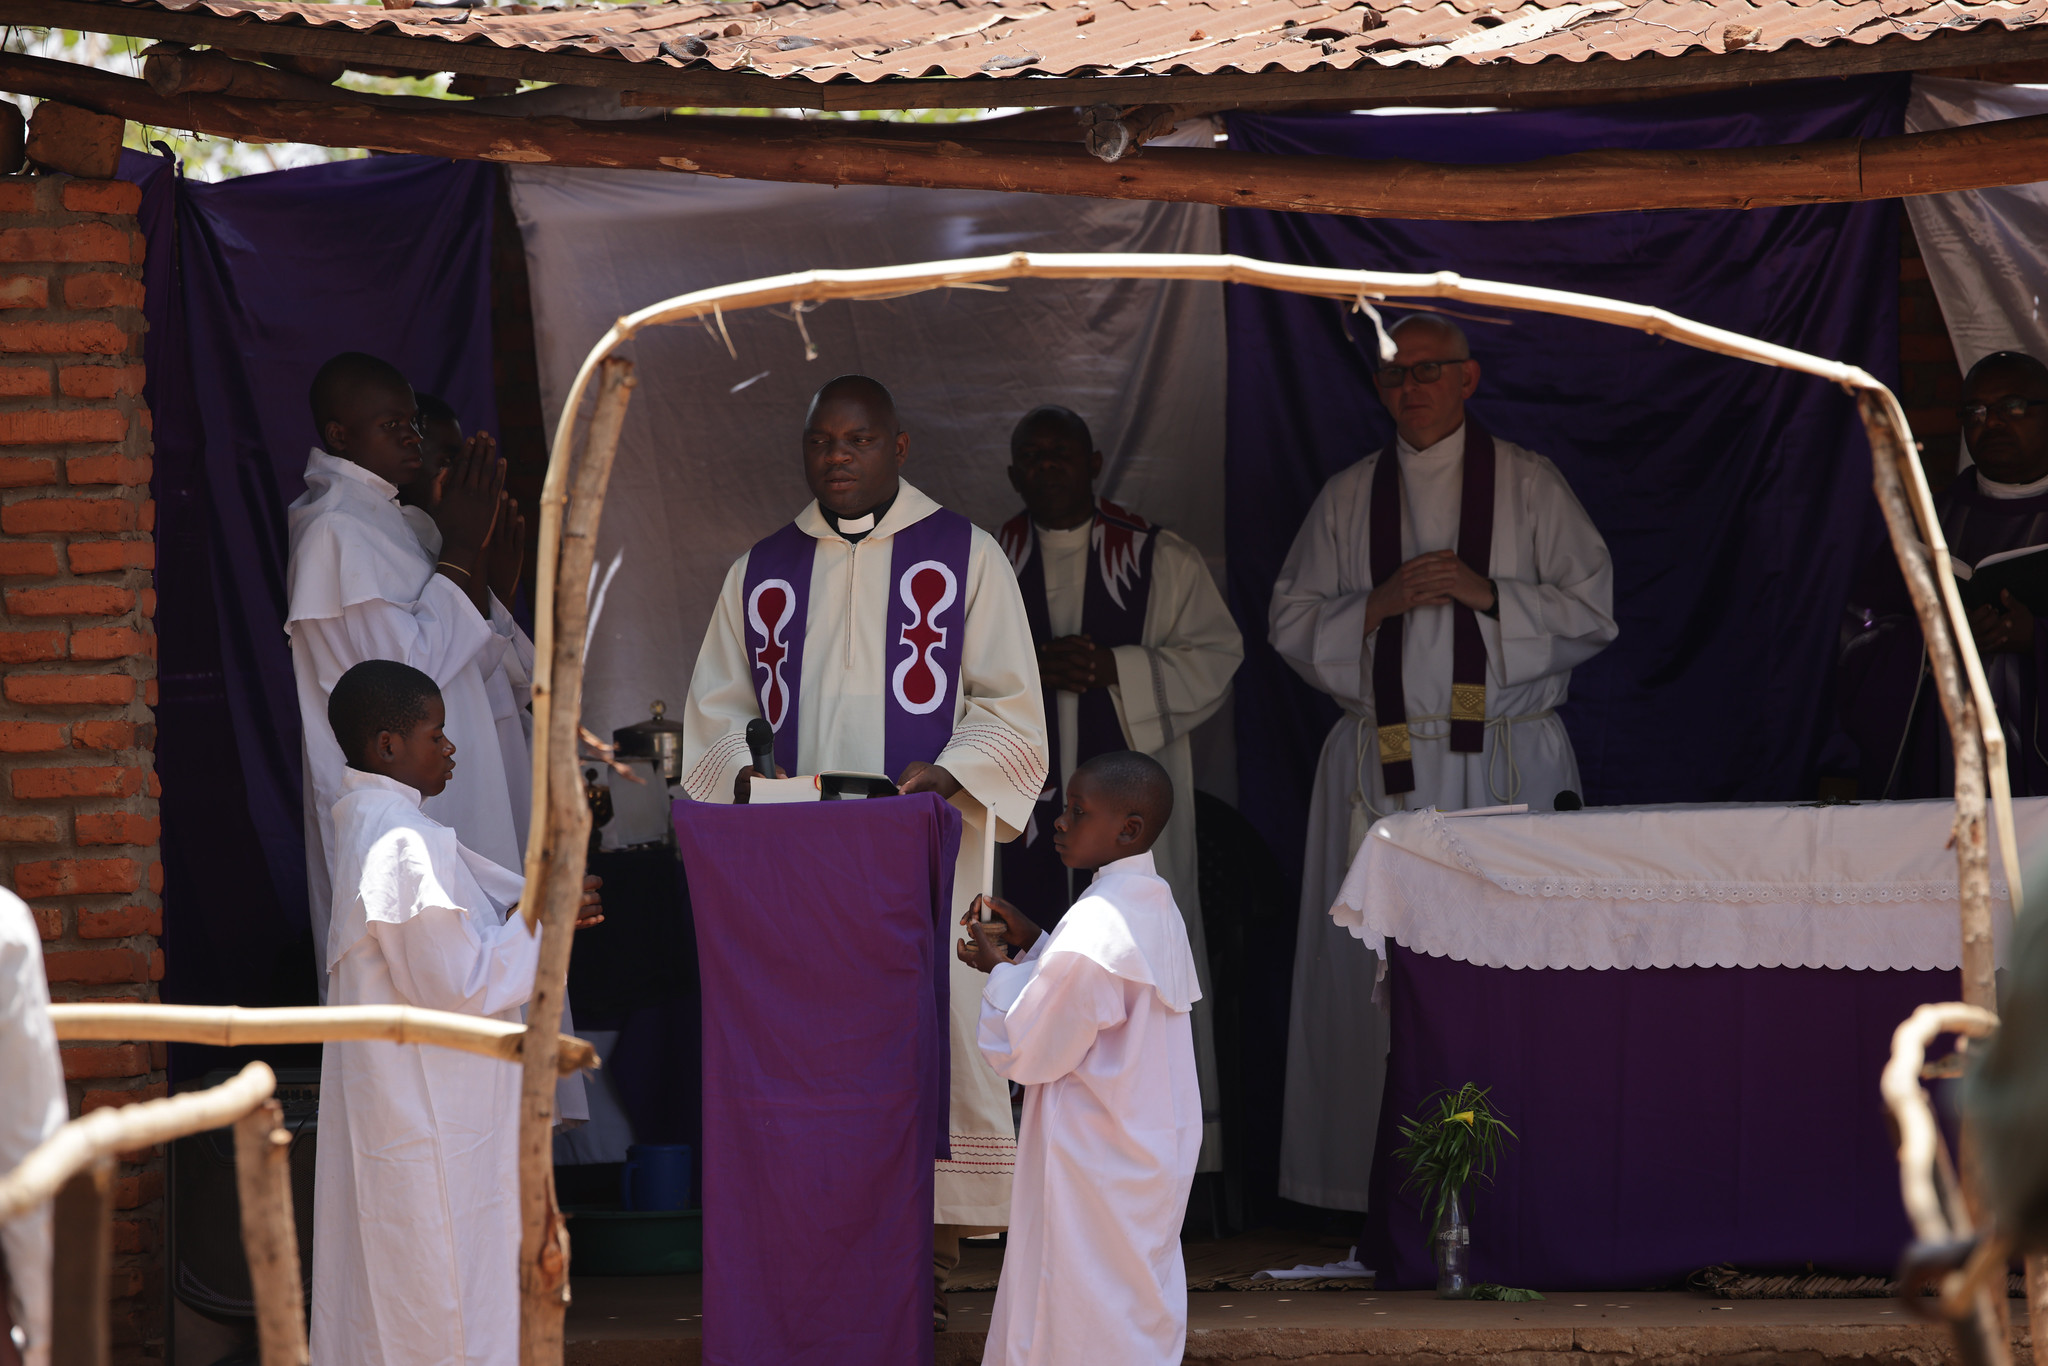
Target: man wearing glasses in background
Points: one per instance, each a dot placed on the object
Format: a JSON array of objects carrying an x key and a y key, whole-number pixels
[
  {"x": 1992, "y": 516},
  {"x": 1441, "y": 591}
]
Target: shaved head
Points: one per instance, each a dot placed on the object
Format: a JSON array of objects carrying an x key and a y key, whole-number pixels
[
  {"x": 1132, "y": 784},
  {"x": 2018, "y": 365},
  {"x": 1438, "y": 328},
  {"x": 345, "y": 380},
  {"x": 1050, "y": 417},
  {"x": 868, "y": 393},
  {"x": 853, "y": 446},
  {"x": 2005, "y": 417}
]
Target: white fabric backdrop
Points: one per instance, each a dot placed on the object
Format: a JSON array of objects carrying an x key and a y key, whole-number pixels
[
  {"x": 1986, "y": 250},
  {"x": 1762, "y": 885},
  {"x": 703, "y": 471}
]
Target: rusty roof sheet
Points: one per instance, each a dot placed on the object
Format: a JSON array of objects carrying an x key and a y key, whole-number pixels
[{"x": 875, "y": 40}]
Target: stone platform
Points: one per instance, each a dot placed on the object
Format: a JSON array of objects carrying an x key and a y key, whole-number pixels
[{"x": 655, "y": 1321}]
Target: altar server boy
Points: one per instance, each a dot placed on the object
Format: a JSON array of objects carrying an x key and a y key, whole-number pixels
[
  {"x": 1093, "y": 1020},
  {"x": 416, "y": 1186}
]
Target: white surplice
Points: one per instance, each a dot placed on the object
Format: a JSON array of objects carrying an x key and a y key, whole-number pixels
[
  {"x": 1169, "y": 683},
  {"x": 1095, "y": 1024},
  {"x": 416, "y": 1186},
  {"x": 1556, "y": 588},
  {"x": 33, "y": 1106},
  {"x": 997, "y": 752},
  {"x": 362, "y": 587}
]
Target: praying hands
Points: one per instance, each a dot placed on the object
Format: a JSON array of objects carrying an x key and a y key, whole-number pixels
[
  {"x": 466, "y": 511},
  {"x": 1435, "y": 579},
  {"x": 2010, "y": 631},
  {"x": 1076, "y": 664}
]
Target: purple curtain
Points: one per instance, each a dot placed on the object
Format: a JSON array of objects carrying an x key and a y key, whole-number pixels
[
  {"x": 823, "y": 931},
  {"x": 1670, "y": 1119},
  {"x": 1735, "y": 499},
  {"x": 251, "y": 284}
]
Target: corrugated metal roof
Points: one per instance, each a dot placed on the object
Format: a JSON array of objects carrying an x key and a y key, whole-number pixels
[{"x": 1008, "y": 40}]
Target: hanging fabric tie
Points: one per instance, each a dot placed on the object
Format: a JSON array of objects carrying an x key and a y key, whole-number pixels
[{"x": 1468, "y": 647}]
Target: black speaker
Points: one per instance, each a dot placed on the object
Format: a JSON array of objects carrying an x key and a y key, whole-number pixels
[{"x": 209, "y": 1272}]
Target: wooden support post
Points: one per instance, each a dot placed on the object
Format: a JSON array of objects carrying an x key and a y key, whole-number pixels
[
  {"x": 555, "y": 856},
  {"x": 81, "y": 1261},
  {"x": 270, "y": 1236}
]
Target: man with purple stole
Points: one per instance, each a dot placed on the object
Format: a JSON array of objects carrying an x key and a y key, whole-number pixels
[
  {"x": 1442, "y": 591},
  {"x": 880, "y": 632},
  {"x": 1992, "y": 513},
  {"x": 1136, "y": 648}
]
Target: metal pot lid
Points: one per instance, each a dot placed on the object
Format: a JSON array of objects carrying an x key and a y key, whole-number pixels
[{"x": 644, "y": 739}]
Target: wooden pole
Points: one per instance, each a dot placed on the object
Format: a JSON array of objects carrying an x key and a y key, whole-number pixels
[
  {"x": 554, "y": 862},
  {"x": 236, "y": 1026},
  {"x": 2007, "y": 152},
  {"x": 81, "y": 1260},
  {"x": 263, "y": 1180}
]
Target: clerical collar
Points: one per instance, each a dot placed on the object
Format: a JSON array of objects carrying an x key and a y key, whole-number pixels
[
  {"x": 2005, "y": 492},
  {"x": 854, "y": 528},
  {"x": 1402, "y": 447}
]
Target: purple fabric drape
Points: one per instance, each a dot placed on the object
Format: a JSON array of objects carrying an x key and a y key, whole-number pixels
[
  {"x": 821, "y": 935},
  {"x": 1670, "y": 1119},
  {"x": 250, "y": 285},
  {"x": 1735, "y": 499}
]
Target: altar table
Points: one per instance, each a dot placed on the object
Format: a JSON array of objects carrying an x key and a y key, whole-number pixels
[{"x": 1682, "y": 1010}]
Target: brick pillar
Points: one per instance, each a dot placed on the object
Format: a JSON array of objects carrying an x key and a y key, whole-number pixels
[{"x": 78, "y": 804}]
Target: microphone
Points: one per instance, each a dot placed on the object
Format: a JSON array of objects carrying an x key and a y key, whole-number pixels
[
  {"x": 761, "y": 744},
  {"x": 1568, "y": 800}
]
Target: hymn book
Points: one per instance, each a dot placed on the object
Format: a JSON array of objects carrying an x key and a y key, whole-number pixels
[{"x": 2022, "y": 572}]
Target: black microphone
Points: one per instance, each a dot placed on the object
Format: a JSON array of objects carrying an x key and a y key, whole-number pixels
[
  {"x": 1568, "y": 800},
  {"x": 761, "y": 744}
]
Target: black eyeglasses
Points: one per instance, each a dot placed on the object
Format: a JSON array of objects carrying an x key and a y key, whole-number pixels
[
  {"x": 1425, "y": 372},
  {"x": 2011, "y": 409}
]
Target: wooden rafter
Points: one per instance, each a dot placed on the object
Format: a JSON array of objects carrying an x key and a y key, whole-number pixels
[
  {"x": 2013, "y": 151},
  {"x": 1370, "y": 82}
]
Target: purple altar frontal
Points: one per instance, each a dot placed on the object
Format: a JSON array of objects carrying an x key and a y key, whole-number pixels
[
  {"x": 821, "y": 929},
  {"x": 1670, "y": 1118}
]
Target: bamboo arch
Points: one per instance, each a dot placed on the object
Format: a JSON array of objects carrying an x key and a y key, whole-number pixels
[{"x": 568, "y": 526}]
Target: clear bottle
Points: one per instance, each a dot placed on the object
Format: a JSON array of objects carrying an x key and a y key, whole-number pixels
[{"x": 1453, "y": 1249}]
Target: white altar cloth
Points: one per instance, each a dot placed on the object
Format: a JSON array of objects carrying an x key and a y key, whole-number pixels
[{"x": 1752, "y": 885}]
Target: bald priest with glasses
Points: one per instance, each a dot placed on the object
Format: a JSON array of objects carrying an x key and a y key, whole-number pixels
[
  {"x": 1442, "y": 591},
  {"x": 1995, "y": 520}
]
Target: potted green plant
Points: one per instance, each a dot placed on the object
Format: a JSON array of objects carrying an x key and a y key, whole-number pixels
[{"x": 1457, "y": 1137}]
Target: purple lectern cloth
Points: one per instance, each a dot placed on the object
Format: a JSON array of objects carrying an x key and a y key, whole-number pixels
[
  {"x": 1670, "y": 1118},
  {"x": 821, "y": 934}
]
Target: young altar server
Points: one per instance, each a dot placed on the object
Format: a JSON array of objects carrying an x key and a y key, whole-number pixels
[
  {"x": 1135, "y": 648},
  {"x": 362, "y": 587},
  {"x": 1441, "y": 590},
  {"x": 33, "y": 1106},
  {"x": 1094, "y": 1022},
  {"x": 882, "y": 633},
  {"x": 416, "y": 1185}
]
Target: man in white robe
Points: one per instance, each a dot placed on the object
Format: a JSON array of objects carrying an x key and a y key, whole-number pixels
[
  {"x": 361, "y": 587},
  {"x": 33, "y": 1106},
  {"x": 1542, "y": 606},
  {"x": 1094, "y": 1022},
  {"x": 991, "y": 764},
  {"x": 1160, "y": 652},
  {"x": 416, "y": 1185}
]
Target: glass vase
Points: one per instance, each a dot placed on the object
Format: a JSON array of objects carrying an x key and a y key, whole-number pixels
[{"x": 1453, "y": 1243}]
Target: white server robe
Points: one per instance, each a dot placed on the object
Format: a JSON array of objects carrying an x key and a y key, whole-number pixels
[
  {"x": 1556, "y": 588},
  {"x": 1095, "y": 1024},
  {"x": 416, "y": 1186},
  {"x": 1169, "y": 683},
  {"x": 33, "y": 1106},
  {"x": 997, "y": 752}
]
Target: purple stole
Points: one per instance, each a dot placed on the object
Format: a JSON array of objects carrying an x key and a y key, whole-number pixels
[
  {"x": 1119, "y": 586},
  {"x": 1468, "y": 648},
  {"x": 926, "y": 623}
]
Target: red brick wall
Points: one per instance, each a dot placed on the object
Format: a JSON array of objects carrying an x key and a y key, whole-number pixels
[
  {"x": 78, "y": 794},
  {"x": 1930, "y": 377}
]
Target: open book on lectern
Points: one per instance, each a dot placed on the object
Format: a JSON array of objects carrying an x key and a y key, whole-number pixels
[
  {"x": 2022, "y": 572},
  {"x": 820, "y": 787}
]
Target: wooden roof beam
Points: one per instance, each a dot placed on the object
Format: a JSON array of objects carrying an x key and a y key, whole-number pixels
[{"x": 1466, "y": 82}]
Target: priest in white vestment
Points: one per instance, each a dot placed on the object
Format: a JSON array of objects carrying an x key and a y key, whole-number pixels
[
  {"x": 1449, "y": 675},
  {"x": 362, "y": 587},
  {"x": 416, "y": 1184},
  {"x": 1129, "y": 625},
  {"x": 1094, "y": 1021},
  {"x": 33, "y": 1106},
  {"x": 827, "y": 588}
]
